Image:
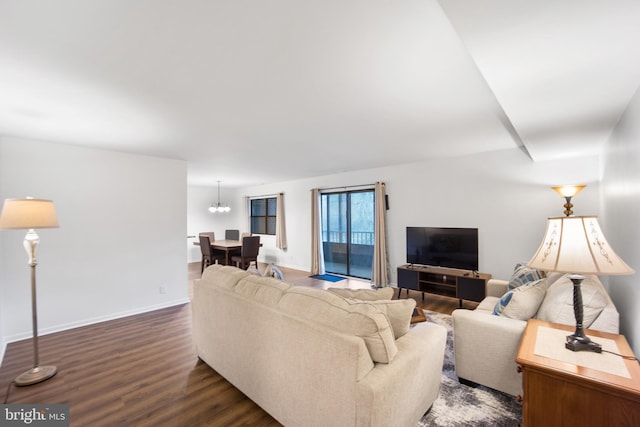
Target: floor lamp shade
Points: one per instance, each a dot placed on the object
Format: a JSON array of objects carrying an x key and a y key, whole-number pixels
[
  {"x": 31, "y": 214},
  {"x": 27, "y": 214}
]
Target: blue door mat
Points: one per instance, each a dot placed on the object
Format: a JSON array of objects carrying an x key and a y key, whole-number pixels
[{"x": 327, "y": 277}]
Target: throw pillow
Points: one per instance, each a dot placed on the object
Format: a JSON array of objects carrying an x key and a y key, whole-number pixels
[
  {"x": 522, "y": 302},
  {"x": 364, "y": 294},
  {"x": 335, "y": 312},
  {"x": 523, "y": 274},
  {"x": 273, "y": 271},
  {"x": 557, "y": 307}
]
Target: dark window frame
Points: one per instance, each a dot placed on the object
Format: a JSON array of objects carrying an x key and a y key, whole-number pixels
[
  {"x": 346, "y": 235},
  {"x": 265, "y": 227}
]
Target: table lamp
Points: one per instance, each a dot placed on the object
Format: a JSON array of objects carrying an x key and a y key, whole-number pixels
[
  {"x": 575, "y": 244},
  {"x": 31, "y": 214}
]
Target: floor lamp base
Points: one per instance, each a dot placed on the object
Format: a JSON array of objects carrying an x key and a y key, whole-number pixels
[{"x": 36, "y": 375}]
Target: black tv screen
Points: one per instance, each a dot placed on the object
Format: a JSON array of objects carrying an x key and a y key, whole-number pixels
[{"x": 443, "y": 247}]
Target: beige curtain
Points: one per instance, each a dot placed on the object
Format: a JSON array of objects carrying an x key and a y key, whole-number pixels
[
  {"x": 246, "y": 225},
  {"x": 281, "y": 233},
  {"x": 379, "y": 273},
  {"x": 317, "y": 257}
]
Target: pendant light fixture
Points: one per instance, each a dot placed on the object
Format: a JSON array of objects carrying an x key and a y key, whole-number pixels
[{"x": 219, "y": 207}]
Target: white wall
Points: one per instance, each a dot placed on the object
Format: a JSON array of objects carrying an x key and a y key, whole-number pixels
[
  {"x": 121, "y": 237},
  {"x": 504, "y": 194},
  {"x": 621, "y": 195}
]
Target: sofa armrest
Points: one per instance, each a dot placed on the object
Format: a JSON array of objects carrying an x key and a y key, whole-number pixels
[
  {"x": 399, "y": 393},
  {"x": 497, "y": 287},
  {"x": 486, "y": 348}
]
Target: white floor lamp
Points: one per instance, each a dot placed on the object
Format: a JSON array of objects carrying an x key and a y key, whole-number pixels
[{"x": 31, "y": 214}]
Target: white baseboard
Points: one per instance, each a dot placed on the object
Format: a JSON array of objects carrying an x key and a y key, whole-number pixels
[{"x": 91, "y": 321}]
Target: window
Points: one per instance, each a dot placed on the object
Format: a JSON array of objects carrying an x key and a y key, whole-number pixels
[{"x": 263, "y": 216}]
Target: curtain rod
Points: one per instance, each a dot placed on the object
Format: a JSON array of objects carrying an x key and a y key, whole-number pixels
[
  {"x": 261, "y": 196},
  {"x": 347, "y": 187}
]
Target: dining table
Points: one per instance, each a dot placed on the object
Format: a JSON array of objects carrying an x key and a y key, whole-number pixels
[{"x": 224, "y": 245}]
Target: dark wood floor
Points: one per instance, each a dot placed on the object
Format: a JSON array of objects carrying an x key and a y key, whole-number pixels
[{"x": 142, "y": 370}]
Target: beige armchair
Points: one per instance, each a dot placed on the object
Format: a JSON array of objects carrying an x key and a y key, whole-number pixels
[{"x": 486, "y": 345}]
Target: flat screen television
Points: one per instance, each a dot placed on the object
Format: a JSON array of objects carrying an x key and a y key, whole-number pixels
[{"x": 443, "y": 247}]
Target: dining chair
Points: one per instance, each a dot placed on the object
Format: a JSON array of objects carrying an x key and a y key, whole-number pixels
[
  {"x": 210, "y": 234},
  {"x": 248, "y": 252},
  {"x": 237, "y": 251},
  {"x": 232, "y": 235},
  {"x": 208, "y": 255}
]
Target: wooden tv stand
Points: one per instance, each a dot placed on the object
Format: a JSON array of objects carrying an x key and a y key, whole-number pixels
[{"x": 449, "y": 282}]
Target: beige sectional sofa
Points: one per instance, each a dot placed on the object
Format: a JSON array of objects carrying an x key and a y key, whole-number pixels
[
  {"x": 313, "y": 357},
  {"x": 486, "y": 344}
]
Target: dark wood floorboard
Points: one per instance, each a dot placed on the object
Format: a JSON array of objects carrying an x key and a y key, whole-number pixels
[{"x": 142, "y": 370}]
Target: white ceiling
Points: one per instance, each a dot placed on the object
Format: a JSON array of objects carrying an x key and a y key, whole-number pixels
[{"x": 251, "y": 91}]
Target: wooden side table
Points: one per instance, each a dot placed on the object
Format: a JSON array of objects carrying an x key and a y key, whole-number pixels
[{"x": 561, "y": 393}]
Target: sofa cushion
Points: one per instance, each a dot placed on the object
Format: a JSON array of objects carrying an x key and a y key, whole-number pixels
[
  {"x": 523, "y": 274},
  {"x": 335, "y": 312},
  {"x": 558, "y": 304},
  {"x": 224, "y": 276},
  {"x": 398, "y": 313},
  {"x": 487, "y": 304},
  {"x": 522, "y": 302},
  {"x": 364, "y": 294},
  {"x": 553, "y": 276},
  {"x": 253, "y": 269},
  {"x": 265, "y": 290}
]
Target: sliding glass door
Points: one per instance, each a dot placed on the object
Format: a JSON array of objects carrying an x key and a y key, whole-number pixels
[{"x": 347, "y": 232}]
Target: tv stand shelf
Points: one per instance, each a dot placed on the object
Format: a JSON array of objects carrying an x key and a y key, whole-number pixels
[{"x": 449, "y": 282}]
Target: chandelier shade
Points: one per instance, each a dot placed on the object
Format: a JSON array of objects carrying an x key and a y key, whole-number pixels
[{"x": 219, "y": 207}]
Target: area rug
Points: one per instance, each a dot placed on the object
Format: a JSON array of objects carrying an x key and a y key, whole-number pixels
[
  {"x": 460, "y": 405},
  {"x": 327, "y": 277}
]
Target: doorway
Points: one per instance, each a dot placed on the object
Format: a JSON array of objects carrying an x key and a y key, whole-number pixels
[{"x": 348, "y": 232}]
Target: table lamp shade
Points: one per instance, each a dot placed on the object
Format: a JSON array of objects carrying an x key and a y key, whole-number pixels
[
  {"x": 27, "y": 214},
  {"x": 576, "y": 244}
]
